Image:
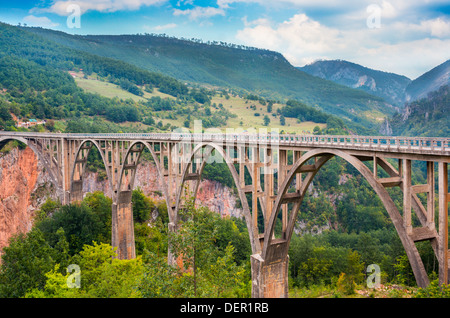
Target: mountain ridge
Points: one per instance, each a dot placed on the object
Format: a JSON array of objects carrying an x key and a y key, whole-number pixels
[
  {"x": 389, "y": 86},
  {"x": 263, "y": 72},
  {"x": 429, "y": 82},
  {"x": 395, "y": 88}
]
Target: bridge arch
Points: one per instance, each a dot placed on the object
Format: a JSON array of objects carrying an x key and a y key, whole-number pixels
[
  {"x": 122, "y": 211},
  {"x": 272, "y": 248},
  {"x": 210, "y": 146},
  {"x": 79, "y": 166},
  {"x": 132, "y": 163}
]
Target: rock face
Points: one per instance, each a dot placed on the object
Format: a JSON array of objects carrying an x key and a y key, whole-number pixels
[
  {"x": 24, "y": 187},
  {"x": 389, "y": 86},
  {"x": 212, "y": 194}
]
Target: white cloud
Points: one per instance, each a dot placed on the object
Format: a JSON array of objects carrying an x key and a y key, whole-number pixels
[
  {"x": 60, "y": 7},
  {"x": 199, "y": 12},
  {"x": 39, "y": 21},
  {"x": 299, "y": 38},
  {"x": 396, "y": 47},
  {"x": 163, "y": 27},
  {"x": 437, "y": 27}
]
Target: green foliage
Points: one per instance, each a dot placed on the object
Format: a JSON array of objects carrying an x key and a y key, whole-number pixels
[
  {"x": 426, "y": 117},
  {"x": 218, "y": 171},
  {"x": 102, "y": 276},
  {"x": 55, "y": 286},
  {"x": 195, "y": 242},
  {"x": 404, "y": 272},
  {"x": 434, "y": 290},
  {"x": 142, "y": 205},
  {"x": 24, "y": 264},
  {"x": 258, "y": 72},
  {"x": 80, "y": 223},
  {"x": 296, "y": 109}
]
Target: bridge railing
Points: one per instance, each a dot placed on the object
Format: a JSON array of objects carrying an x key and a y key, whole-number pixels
[{"x": 412, "y": 144}]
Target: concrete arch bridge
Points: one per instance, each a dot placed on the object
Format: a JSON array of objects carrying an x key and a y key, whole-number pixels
[{"x": 281, "y": 168}]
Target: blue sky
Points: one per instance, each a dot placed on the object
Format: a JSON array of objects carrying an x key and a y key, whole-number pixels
[{"x": 407, "y": 37}]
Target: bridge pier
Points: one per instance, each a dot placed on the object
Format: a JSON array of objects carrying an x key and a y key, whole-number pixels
[
  {"x": 122, "y": 230},
  {"x": 122, "y": 226},
  {"x": 269, "y": 278},
  {"x": 76, "y": 195}
]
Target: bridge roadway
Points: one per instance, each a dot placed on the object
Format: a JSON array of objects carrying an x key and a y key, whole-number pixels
[
  {"x": 276, "y": 163},
  {"x": 427, "y": 146}
]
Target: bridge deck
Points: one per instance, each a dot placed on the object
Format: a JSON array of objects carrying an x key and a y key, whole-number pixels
[{"x": 426, "y": 146}]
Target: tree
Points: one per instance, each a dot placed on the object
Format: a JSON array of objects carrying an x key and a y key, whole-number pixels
[
  {"x": 81, "y": 226},
  {"x": 24, "y": 264},
  {"x": 266, "y": 120},
  {"x": 194, "y": 239},
  {"x": 142, "y": 205},
  {"x": 224, "y": 275},
  {"x": 196, "y": 243},
  {"x": 102, "y": 276},
  {"x": 282, "y": 120}
]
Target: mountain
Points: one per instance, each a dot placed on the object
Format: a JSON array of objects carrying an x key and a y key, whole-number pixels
[
  {"x": 429, "y": 82},
  {"x": 427, "y": 116},
  {"x": 389, "y": 86},
  {"x": 263, "y": 72}
]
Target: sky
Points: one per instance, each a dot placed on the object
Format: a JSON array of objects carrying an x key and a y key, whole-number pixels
[{"x": 406, "y": 37}]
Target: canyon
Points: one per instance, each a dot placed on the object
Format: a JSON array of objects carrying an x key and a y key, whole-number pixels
[{"x": 25, "y": 186}]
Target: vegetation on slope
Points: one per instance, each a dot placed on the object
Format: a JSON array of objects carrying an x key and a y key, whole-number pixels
[
  {"x": 427, "y": 117},
  {"x": 262, "y": 72}
]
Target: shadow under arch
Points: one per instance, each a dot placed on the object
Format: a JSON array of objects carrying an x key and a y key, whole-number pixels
[
  {"x": 210, "y": 146},
  {"x": 79, "y": 167},
  {"x": 39, "y": 154},
  {"x": 325, "y": 155}
]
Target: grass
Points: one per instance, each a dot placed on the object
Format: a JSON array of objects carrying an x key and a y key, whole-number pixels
[
  {"x": 246, "y": 118},
  {"x": 106, "y": 89},
  {"x": 327, "y": 291}
]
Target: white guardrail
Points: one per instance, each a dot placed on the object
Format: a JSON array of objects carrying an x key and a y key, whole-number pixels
[{"x": 381, "y": 143}]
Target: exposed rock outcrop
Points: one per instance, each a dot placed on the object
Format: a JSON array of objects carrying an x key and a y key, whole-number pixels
[{"x": 23, "y": 188}]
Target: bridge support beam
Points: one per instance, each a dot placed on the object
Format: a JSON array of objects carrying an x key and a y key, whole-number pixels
[{"x": 443, "y": 223}]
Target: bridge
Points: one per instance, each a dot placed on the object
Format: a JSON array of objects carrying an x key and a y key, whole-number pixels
[{"x": 281, "y": 168}]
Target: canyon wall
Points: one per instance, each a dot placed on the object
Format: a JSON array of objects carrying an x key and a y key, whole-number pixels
[{"x": 24, "y": 187}]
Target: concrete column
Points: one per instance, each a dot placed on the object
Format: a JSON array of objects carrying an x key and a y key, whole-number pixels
[
  {"x": 123, "y": 227},
  {"x": 443, "y": 223},
  {"x": 76, "y": 195},
  {"x": 171, "y": 259},
  {"x": 269, "y": 279},
  {"x": 407, "y": 195}
]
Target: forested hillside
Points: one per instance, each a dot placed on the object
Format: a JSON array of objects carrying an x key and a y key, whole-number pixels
[
  {"x": 37, "y": 81},
  {"x": 386, "y": 85},
  {"x": 261, "y": 72},
  {"x": 425, "y": 117},
  {"x": 429, "y": 82}
]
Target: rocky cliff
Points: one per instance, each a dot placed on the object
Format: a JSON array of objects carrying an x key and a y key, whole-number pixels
[{"x": 24, "y": 186}]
